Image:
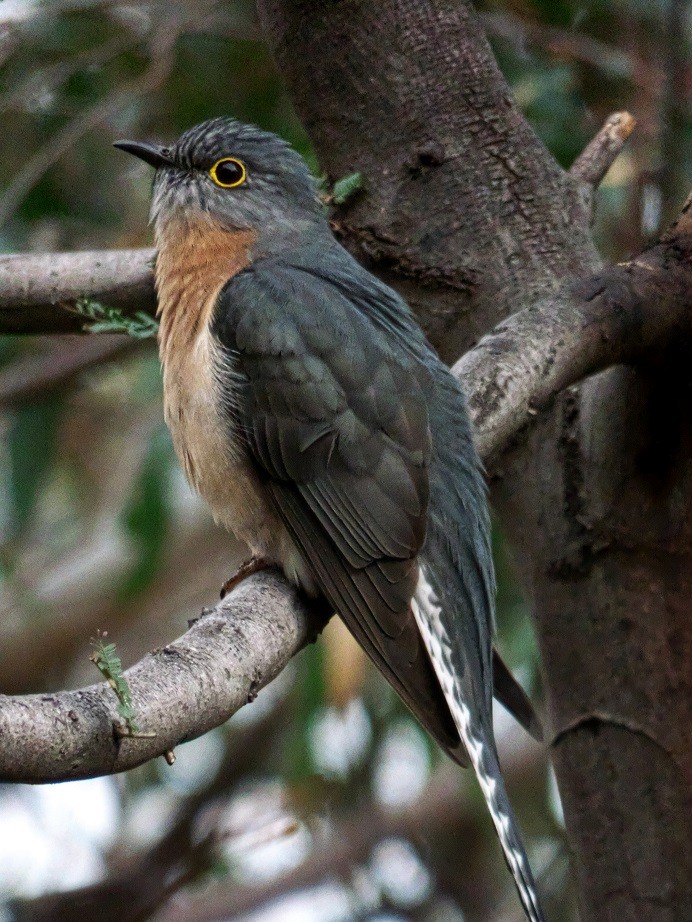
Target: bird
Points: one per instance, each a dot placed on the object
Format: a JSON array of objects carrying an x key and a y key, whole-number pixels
[{"x": 308, "y": 409}]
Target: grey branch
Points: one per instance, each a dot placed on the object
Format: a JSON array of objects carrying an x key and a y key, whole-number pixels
[
  {"x": 62, "y": 360},
  {"x": 179, "y": 692},
  {"x": 615, "y": 317},
  {"x": 196, "y": 683},
  {"x": 38, "y": 292}
]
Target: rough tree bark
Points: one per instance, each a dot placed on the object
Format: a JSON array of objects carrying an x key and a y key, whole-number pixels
[
  {"x": 179, "y": 691},
  {"x": 463, "y": 200},
  {"x": 466, "y": 212}
]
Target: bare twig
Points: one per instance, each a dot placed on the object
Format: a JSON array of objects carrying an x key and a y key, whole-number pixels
[
  {"x": 23, "y": 10},
  {"x": 439, "y": 811},
  {"x": 598, "y": 156},
  {"x": 138, "y": 883},
  {"x": 51, "y": 77},
  {"x": 61, "y": 142},
  {"x": 570, "y": 44}
]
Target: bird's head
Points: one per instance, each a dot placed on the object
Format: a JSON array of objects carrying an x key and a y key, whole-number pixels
[{"x": 240, "y": 177}]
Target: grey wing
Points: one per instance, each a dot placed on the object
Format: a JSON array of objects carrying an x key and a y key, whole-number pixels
[
  {"x": 336, "y": 421},
  {"x": 513, "y": 697}
]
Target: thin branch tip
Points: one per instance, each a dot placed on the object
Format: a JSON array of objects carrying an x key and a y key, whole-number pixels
[
  {"x": 620, "y": 125},
  {"x": 602, "y": 151}
]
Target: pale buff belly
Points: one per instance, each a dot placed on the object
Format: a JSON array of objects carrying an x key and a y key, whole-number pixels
[
  {"x": 196, "y": 257},
  {"x": 216, "y": 465}
]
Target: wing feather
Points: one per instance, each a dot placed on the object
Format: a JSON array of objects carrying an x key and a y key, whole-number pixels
[{"x": 404, "y": 663}]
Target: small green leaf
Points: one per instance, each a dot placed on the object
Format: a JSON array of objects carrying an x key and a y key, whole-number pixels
[{"x": 346, "y": 187}]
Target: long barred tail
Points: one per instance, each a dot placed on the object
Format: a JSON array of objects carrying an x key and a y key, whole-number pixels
[
  {"x": 478, "y": 742},
  {"x": 483, "y": 757}
]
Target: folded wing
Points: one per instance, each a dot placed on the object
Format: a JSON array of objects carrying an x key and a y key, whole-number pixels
[{"x": 336, "y": 421}]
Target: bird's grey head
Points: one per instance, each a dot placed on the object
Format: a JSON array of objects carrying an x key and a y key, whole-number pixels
[{"x": 235, "y": 174}]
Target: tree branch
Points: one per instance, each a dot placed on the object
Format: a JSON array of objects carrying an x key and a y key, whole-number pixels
[
  {"x": 614, "y": 317},
  {"x": 62, "y": 360},
  {"x": 439, "y": 812},
  {"x": 153, "y": 880},
  {"x": 180, "y": 692},
  {"x": 598, "y": 156},
  {"x": 38, "y": 292},
  {"x": 571, "y": 44},
  {"x": 140, "y": 882}
]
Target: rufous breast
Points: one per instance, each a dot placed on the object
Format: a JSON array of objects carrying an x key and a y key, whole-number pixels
[{"x": 196, "y": 258}]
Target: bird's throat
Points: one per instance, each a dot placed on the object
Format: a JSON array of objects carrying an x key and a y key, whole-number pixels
[{"x": 196, "y": 257}]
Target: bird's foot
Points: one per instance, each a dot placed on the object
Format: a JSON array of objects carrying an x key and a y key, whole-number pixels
[{"x": 253, "y": 565}]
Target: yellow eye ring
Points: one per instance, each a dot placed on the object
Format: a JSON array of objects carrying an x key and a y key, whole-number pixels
[{"x": 228, "y": 173}]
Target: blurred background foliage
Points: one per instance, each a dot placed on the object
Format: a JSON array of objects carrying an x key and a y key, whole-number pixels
[{"x": 323, "y": 800}]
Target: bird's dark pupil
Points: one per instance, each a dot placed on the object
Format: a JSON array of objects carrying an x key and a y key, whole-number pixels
[{"x": 228, "y": 173}]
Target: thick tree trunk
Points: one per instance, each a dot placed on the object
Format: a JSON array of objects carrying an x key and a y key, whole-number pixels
[
  {"x": 465, "y": 211},
  {"x": 464, "y": 205},
  {"x": 606, "y": 556}
]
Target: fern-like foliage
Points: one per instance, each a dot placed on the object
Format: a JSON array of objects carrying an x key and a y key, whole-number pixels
[
  {"x": 346, "y": 187},
  {"x": 342, "y": 190},
  {"x": 103, "y": 319},
  {"x": 108, "y": 663}
]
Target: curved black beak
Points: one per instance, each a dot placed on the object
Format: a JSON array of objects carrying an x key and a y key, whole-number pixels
[{"x": 150, "y": 153}]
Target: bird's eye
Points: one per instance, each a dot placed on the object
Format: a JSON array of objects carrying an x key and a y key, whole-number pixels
[{"x": 228, "y": 173}]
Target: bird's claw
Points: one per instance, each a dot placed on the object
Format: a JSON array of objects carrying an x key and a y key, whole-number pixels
[{"x": 248, "y": 568}]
